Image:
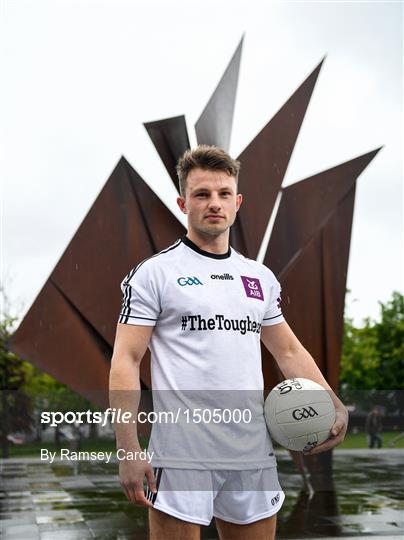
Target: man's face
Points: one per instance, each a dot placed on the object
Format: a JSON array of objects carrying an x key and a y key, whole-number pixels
[{"x": 211, "y": 201}]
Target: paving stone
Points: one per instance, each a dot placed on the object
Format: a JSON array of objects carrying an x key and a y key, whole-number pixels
[
  {"x": 18, "y": 532},
  {"x": 77, "y": 483},
  {"x": 16, "y": 484},
  {"x": 59, "y": 516},
  {"x": 49, "y": 497},
  {"x": 67, "y": 534},
  {"x": 14, "y": 508},
  {"x": 16, "y": 494},
  {"x": 27, "y": 519}
]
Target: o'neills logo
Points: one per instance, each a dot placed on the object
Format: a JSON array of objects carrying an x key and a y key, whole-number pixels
[{"x": 222, "y": 276}]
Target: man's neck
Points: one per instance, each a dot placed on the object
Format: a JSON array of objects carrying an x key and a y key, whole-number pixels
[{"x": 212, "y": 244}]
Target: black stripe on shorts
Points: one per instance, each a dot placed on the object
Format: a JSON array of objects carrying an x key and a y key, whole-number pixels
[{"x": 158, "y": 479}]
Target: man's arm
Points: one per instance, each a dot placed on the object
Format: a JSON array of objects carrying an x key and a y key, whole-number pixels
[
  {"x": 124, "y": 384},
  {"x": 294, "y": 361}
]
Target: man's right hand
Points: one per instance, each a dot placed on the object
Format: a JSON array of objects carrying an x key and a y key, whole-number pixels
[{"x": 131, "y": 476}]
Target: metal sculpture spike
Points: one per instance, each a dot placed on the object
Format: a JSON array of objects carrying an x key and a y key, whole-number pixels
[
  {"x": 170, "y": 138},
  {"x": 215, "y": 123},
  {"x": 264, "y": 163}
]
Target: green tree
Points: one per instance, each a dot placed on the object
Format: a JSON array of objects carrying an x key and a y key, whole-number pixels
[
  {"x": 15, "y": 406},
  {"x": 390, "y": 340},
  {"x": 373, "y": 355},
  {"x": 360, "y": 362},
  {"x": 372, "y": 363}
]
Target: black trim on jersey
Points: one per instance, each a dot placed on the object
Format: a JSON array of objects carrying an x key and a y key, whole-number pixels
[
  {"x": 124, "y": 316},
  {"x": 269, "y": 318},
  {"x": 193, "y": 246},
  {"x": 136, "y": 317},
  {"x": 127, "y": 296}
]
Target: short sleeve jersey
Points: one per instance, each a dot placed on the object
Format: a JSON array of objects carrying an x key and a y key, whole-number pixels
[{"x": 207, "y": 310}]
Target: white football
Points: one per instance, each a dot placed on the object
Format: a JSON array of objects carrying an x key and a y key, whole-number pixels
[{"x": 299, "y": 414}]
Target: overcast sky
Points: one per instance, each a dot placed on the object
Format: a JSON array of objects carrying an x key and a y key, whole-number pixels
[{"x": 80, "y": 78}]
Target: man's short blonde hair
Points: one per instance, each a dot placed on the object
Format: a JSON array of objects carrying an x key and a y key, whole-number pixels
[{"x": 205, "y": 157}]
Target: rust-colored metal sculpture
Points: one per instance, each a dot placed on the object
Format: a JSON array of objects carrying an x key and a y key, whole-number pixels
[
  {"x": 309, "y": 251},
  {"x": 70, "y": 328},
  {"x": 263, "y": 167},
  {"x": 170, "y": 138}
]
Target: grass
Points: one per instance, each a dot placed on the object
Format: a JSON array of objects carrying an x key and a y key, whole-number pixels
[
  {"x": 359, "y": 440},
  {"x": 33, "y": 449}
]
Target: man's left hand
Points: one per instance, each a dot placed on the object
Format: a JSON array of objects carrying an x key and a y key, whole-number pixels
[{"x": 338, "y": 432}]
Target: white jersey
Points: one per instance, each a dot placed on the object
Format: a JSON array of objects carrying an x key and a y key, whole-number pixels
[{"x": 207, "y": 311}]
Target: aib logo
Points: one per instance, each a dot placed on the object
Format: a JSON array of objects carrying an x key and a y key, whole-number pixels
[
  {"x": 252, "y": 287},
  {"x": 304, "y": 413},
  {"x": 188, "y": 281}
]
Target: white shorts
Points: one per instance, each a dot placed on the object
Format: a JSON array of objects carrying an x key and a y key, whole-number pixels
[{"x": 196, "y": 496}]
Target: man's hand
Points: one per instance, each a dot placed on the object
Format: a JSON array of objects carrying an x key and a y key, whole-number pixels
[
  {"x": 338, "y": 432},
  {"x": 131, "y": 476},
  {"x": 294, "y": 361}
]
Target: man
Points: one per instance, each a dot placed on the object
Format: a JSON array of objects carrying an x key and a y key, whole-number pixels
[
  {"x": 373, "y": 428},
  {"x": 202, "y": 308}
]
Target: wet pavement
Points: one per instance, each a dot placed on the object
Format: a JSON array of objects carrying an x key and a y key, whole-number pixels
[{"x": 79, "y": 501}]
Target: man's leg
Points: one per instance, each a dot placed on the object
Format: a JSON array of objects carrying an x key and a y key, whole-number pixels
[
  {"x": 165, "y": 527},
  {"x": 264, "y": 529}
]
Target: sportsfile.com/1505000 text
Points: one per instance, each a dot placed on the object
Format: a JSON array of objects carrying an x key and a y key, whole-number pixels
[{"x": 189, "y": 416}]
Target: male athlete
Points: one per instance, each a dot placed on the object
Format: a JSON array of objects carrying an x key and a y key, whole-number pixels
[{"x": 202, "y": 309}]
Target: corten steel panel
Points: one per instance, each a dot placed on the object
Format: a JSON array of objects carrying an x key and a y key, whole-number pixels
[
  {"x": 302, "y": 308},
  {"x": 315, "y": 220},
  {"x": 335, "y": 257},
  {"x": 306, "y": 205},
  {"x": 263, "y": 167},
  {"x": 55, "y": 337},
  {"x": 215, "y": 123},
  {"x": 126, "y": 224},
  {"x": 109, "y": 241},
  {"x": 302, "y": 299},
  {"x": 304, "y": 305},
  {"x": 162, "y": 226},
  {"x": 170, "y": 138}
]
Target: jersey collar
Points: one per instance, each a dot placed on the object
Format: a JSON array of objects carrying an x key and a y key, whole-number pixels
[{"x": 193, "y": 246}]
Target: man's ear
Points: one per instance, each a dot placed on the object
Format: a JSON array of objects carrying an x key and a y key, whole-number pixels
[
  {"x": 181, "y": 204},
  {"x": 239, "y": 200}
]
